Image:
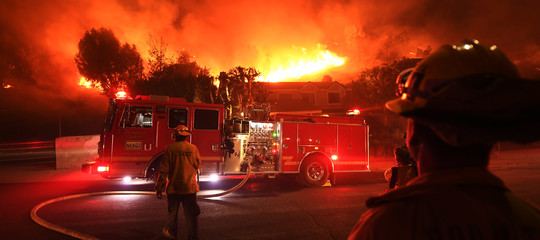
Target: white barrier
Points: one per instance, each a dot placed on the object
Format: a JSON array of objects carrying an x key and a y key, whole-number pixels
[{"x": 73, "y": 151}]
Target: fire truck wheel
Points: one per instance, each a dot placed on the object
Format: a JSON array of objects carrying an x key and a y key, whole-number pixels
[
  {"x": 153, "y": 170},
  {"x": 314, "y": 173}
]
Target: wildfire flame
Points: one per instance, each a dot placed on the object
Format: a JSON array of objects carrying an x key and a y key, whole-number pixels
[
  {"x": 7, "y": 85},
  {"x": 88, "y": 84},
  {"x": 305, "y": 64}
]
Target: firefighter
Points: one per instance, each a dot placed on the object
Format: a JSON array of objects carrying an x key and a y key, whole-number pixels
[
  {"x": 459, "y": 101},
  {"x": 403, "y": 172},
  {"x": 178, "y": 176}
]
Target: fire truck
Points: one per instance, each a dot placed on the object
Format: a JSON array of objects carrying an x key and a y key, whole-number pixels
[{"x": 314, "y": 148}]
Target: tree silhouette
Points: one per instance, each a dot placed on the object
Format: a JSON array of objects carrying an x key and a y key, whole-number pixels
[
  {"x": 104, "y": 61},
  {"x": 238, "y": 90},
  {"x": 182, "y": 78},
  {"x": 205, "y": 90},
  {"x": 158, "y": 59},
  {"x": 371, "y": 90}
]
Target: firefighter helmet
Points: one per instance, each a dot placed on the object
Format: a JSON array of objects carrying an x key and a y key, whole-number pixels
[
  {"x": 182, "y": 130},
  {"x": 448, "y": 63},
  {"x": 401, "y": 80},
  {"x": 470, "y": 93}
]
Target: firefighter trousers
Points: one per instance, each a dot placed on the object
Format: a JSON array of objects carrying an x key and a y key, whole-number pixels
[{"x": 191, "y": 213}]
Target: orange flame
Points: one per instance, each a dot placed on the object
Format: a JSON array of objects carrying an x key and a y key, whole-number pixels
[
  {"x": 7, "y": 85},
  {"x": 88, "y": 84},
  {"x": 303, "y": 64}
]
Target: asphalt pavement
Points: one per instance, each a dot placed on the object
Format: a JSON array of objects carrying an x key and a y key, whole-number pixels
[{"x": 44, "y": 172}]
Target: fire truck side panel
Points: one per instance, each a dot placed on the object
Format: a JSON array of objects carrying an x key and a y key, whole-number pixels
[
  {"x": 352, "y": 155},
  {"x": 142, "y": 130},
  {"x": 346, "y": 142},
  {"x": 289, "y": 147},
  {"x": 138, "y": 131},
  {"x": 317, "y": 138},
  {"x": 206, "y": 126}
]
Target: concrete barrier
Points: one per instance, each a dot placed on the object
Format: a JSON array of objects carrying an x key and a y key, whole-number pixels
[{"x": 73, "y": 151}]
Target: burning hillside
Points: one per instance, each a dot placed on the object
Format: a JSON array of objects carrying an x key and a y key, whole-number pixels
[{"x": 282, "y": 40}]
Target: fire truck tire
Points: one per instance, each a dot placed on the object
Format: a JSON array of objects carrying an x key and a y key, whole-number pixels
[
  {"x": 314, "y": 172},
  {"x": 153, "y": 169}
]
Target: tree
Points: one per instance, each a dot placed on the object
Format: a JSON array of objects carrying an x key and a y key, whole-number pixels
[
  {"x": 238, "y": 90},
  {"x": 158, "y": 59},
  {"x": 104, "y": 61},
  {"x": 372, "y": 89},
  {"x": 205, "y": 90},
  {"x": 182, "y": 78}
]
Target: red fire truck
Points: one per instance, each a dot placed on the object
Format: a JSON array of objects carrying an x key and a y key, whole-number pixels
[{"x": 314, "y": 148}]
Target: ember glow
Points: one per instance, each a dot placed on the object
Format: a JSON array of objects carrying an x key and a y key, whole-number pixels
[
  {"x": 305, "y": 63},
  {"x": 7, "y": 85}
]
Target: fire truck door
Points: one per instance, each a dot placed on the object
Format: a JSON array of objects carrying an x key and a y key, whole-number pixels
[
  {"x": 135, "y": 140},
  {"x": 206, "y": 136},
  {"x": 317, "y": 138},
  {"x": 176, "y": 116},
  {"x": 162, "y": 132},
  {"x": 352, "y": 149},
  {"x": 289, "y": 147}
]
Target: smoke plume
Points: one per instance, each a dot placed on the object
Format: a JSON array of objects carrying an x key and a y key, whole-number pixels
[{"x": 39, "y": 39}]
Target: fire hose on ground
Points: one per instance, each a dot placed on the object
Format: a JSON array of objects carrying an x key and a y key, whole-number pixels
[{"x": 80, "y": 235}]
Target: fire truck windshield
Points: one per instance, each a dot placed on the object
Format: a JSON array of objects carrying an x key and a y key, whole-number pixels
[{"x": 110, "y": 116}]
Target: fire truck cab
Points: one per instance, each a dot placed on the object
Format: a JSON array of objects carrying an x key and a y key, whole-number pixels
[{"x": 314, "y": 148}]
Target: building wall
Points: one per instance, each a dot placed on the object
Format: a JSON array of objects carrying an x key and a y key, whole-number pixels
[{"x": 308, "y": 96}]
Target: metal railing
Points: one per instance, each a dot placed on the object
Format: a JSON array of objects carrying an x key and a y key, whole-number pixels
[{"x": 25, "y": 151}]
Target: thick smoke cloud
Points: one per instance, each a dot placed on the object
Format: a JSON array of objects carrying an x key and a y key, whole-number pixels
[{"x": 38, "y": 39}]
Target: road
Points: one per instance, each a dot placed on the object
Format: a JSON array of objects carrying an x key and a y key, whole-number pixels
[{"x": 262, "y": 209}]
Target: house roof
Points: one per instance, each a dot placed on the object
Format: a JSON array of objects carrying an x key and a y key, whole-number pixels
[{"x": 298, "y": 85}]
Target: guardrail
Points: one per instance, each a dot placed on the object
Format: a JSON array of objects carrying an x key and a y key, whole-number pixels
[{"x": 24, "y": 151}]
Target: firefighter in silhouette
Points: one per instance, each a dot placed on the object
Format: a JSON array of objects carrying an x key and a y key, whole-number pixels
[
  {"x": 403, "y": 172},
  {"x": 178, "y": 177},
  {"x": 459, "y": 101}
]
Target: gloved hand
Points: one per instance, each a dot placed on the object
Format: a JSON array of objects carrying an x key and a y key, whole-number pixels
[{"x": 159, "y": 194}]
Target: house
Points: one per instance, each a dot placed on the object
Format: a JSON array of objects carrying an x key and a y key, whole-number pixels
[{"x": 309, "y": 98}]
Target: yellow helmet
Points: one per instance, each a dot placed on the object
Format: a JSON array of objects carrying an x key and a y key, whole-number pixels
[
  {"x": 470, "y": 93},
  {"x": 182, "y": 130}
]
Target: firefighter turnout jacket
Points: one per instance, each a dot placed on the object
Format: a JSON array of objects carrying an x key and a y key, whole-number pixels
[
  {"x": 433, "y": 206},
  {"x": 178, "y": 169}
]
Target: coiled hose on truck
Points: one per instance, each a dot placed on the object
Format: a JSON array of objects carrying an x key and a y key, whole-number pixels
[{"x": 80, "y": 235}]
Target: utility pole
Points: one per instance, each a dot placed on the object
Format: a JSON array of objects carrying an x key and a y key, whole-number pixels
[{"x": 59, "y": 126}]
